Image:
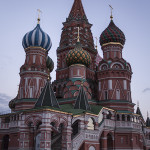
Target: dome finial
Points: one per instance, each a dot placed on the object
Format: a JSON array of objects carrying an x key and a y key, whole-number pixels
[
  {"x": 78, "y": 38},
  {"x": 111, "y": 17},
  {"x": 96, "y": 42},
  {"x": 39, "y": 12}
]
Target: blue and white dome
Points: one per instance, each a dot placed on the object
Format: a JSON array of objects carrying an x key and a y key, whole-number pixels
[{"x": 38, "y": 38}]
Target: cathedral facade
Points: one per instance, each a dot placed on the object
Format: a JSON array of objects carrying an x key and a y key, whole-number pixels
[{"x": 89, "y": 105}]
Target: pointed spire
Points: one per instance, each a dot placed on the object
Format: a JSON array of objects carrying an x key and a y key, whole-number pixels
[
  {"x": 82, "y": 101},
  {"x": 138, "y": 111},
  {"x": 148, "y": 120},
  {"x": 47, "y": 97},
  {"x": 137, "y": 103},
  {"x": 77, "y": 11}
]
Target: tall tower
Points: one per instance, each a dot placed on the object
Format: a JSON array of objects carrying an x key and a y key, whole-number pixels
[
  {"x": 34, "y": 72},
  {"x": 77, "y": 18},
  {"x": 114, "y": 73}
]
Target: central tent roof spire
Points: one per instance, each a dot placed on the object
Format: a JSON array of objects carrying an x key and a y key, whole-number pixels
[{"x": 77, "y": 10}]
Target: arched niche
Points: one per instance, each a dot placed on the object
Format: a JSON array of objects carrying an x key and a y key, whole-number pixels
[{"x": 91, "y": 148}]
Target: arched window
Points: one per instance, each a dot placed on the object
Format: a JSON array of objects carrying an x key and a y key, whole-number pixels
[
  {"x": 109, "y": 142},
  {"x": 37, "y": 141},
  {"x": 123, "y": 117},
  {"x": 75, "y": 128},
  {"x": 118, "y": 117},
  {"x": 109, "y": 115},
  {"x": 5, "y": 142},
  {"x": 128, "y": 118}
]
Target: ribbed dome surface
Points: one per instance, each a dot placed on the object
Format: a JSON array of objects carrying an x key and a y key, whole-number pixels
[
  {"x": 112, "y": 34},
  {"x": 49, "y": 64},
  {"x": 38, "y": 38},
  {"x": 78, "y": 56}
]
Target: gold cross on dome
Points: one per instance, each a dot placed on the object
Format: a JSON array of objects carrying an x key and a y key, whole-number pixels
[
  {"x": 111, "y": 17},
  {"x": 78, "y": 38},
  {"x": 39, "y": 12}
]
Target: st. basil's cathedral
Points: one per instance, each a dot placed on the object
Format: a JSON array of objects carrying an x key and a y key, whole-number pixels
[{"x": 88, "y": 106}]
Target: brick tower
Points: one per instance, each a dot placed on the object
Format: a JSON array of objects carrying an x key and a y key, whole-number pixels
[
  {"x": 34, "y": 72},
  {"x": 114, "y": 73},
  {"x": 77, "y": 18}
]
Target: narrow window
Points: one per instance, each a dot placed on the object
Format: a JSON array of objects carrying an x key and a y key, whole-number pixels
[
  {"x": 41, "y": 60},
  {"x": 110, "y": 84},
  {"x": 34, "y": 57},
  {"x": 21, "y": 93},
  {"x": 128, "y": 96},
  {"x": 105, "y": 95},
  {"x": 71, "y": 72},
  {"x": 121, "y": 140},
  {"x": 31, "y": 92},
  {"x": 27, "y": 59},
  {"x": 117, "y": 94},
  {"x": 78, "y": 72},
  {"x": 125, "y": 84},
  {"x": 115, "y": 54},
  {"x": 107, "y": 55},
  {"x": 99, "y": 86}
]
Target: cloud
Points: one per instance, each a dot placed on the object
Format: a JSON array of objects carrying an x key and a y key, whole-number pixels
[
  {"x": 146, "y": 90},
  {"x": 4, "y": 100}
]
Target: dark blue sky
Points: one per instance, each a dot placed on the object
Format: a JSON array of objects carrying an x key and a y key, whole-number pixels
[{"x": 19, "y": 16}]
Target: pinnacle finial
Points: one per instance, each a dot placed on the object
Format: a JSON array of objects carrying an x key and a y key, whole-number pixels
[
  {"x": 137, "y": 103},
  {"x": 111, "y": 17},
  {"x": 147, "y": 114},
  {"x": 78, "y": 38},
  {"x": 96, "y": 42},
  {"x": 39, "y": 12}
]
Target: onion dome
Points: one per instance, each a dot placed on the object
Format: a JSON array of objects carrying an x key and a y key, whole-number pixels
[
  {"x": 78, "y": 56},
  {"x": 112, "y": 34},
  {"x": 49, "y": 64},
  {"x": 12, "y": 103},
  {"x": 37, "y": 38}
]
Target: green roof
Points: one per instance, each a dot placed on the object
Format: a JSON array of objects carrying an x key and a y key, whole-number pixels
[
  {"x": 26, "y": 100},
  {"x": 124, "y": 111},
  {"x": 70, "y": 109}
]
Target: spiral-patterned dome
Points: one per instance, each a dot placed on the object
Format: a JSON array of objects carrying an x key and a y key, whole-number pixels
[
  {"x": 78, "y": 56},
  {"x": 49, "y": 64},
  {"x": 38, "y": 38},
  {"x": 112, "y": 34}
]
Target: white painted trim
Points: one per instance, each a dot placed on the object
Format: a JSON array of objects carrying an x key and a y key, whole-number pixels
[{"x": 116, "y": 63}]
